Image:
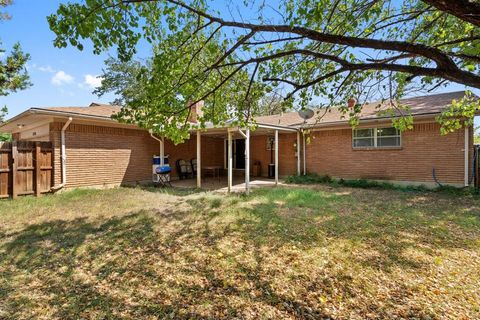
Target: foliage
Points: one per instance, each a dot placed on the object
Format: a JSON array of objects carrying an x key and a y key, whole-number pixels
[
  {"x": 13, "y": 74},
  {"x": 280, "y": 253},
  {"x": 460, "y": 114},
  {"x": 476, "y": 135},
  {"x": 121, "y": 78},
  {"x": 326, "y": 50},
  {"x": 372, "y": 184},
  {"x": 271, "y": 104},
  {"x": 4, "y": 136}
]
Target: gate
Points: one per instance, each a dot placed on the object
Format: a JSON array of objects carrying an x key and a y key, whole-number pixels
[{"x": 26, "y": 167}]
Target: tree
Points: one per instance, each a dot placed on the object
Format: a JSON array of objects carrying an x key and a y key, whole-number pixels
[
  {"x": 333, "y": 49},
  {"x": 13, "y": 74},
  {"x": 121, "y": 78},
  {"x": 476, "y": 135}
]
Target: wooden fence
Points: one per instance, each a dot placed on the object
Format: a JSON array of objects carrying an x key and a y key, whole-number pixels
[{"x": 26, "y": 167}]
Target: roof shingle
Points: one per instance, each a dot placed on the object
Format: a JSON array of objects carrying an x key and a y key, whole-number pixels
[{"x": 424, "y": 105}]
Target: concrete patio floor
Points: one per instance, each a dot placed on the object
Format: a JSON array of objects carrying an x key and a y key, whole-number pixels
[{"x": 220, "y": 184}]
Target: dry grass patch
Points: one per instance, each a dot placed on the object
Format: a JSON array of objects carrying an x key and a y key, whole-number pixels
[{"x": 280, "y": 253}]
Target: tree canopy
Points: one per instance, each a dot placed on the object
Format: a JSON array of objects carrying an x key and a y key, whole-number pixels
[
  {"x": 231, "y": 55},
  {"x": 13, "y": 73}
]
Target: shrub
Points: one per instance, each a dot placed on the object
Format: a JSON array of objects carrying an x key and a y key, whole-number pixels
[{"x": 371, "y": 184}]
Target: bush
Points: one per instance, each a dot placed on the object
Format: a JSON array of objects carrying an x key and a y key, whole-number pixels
[
  {"x": 309, "y": 179},
  {"x": 371, "y": 184}
]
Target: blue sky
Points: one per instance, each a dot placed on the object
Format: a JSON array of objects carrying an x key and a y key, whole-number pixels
[{"x": 60, "y": 77}]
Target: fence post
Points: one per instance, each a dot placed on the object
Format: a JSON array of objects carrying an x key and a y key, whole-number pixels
[
  {"x": 14, "y": 168},
  {"x": 38, "y": 169}
]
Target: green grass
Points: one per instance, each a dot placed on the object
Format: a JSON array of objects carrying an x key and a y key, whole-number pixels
[{"x": 311, "y": 252}]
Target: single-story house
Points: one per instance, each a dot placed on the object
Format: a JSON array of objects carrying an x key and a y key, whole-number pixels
[{"x": 92, "y": 149}]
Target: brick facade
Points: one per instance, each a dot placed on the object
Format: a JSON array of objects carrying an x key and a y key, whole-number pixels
[
  {"x": 423, "y": 148},
  {"x": 98, "y": 155},
  {"x": 286, "y": 153}
]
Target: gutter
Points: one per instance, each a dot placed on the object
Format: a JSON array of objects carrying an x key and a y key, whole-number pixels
[{"x": 63, "y": 157}]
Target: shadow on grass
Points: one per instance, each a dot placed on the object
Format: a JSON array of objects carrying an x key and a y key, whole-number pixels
[
  {"x": 166, "y": 263},
  {"x": 387, "y": 227}
]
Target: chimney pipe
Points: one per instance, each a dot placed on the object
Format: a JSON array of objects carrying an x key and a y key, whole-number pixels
[
  {"x": 351, "y": 103},
  {"x": 196, "y": 112}
]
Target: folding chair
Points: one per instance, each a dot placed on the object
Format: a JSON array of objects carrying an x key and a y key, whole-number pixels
[
  {"x": 184, "y": 169},
  {"x": 161, "y": 176}
]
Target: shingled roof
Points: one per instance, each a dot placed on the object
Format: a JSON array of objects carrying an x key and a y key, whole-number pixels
[
  {"x": 95, "y": 109},
  {"x": 424, "y": 105}
]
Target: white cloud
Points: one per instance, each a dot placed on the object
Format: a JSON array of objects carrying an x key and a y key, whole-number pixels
[
  {"x": 61, "y": 78},
  {"x": 93, "y": 81},
  {"x": 48, "y": 69}
]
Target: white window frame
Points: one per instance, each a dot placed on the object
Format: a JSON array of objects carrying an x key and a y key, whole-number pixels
[{"x": 375, "y": 139}]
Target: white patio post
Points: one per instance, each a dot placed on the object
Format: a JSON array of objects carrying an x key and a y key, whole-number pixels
[
  {"x": 247, "y": 161},
  {"x": 230, "y": 161},
  {"x": 304, "y": 156},
  {"x": 298, "y": 153},
  {"x": 199, "y": 159},
  {"x": 276, "y": 157},
  {"x": 162, "y": 152}
]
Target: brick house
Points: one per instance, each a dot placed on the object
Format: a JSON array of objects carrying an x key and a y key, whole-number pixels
[{"x": 91, "y": 149}]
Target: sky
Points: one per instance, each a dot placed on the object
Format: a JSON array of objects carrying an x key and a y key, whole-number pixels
[{"x": 60, "y": 77}]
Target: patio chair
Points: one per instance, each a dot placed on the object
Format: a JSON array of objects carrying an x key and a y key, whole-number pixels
[
  {"x": 184, "y": 169},
  {"x": 194, "y": 166}
]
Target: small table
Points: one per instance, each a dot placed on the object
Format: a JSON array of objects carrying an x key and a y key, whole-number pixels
[{"x": 212, "y": 170}]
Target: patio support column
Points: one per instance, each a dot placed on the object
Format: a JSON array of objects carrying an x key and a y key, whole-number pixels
[
  {"x": 298, "y": 154},
  {"x": 247, "y": 161},
  {"x": 230, "y": 162},
  {"x": 304, "y": 155},
  {"x": 162, "y": 152},
  {"x": 199, "y": 159},
  {"x": 276, "y": 157}
]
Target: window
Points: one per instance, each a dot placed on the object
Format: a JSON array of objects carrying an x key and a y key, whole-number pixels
[{"x": 376, "y": 138}]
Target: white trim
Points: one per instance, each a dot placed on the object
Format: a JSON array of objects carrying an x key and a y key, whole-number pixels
[
  {"x": 375, "y": 138},
  {"x": 276, "y": 157},
  {"x": 298, "y": 153},
  {"x": 275, "y": 127},
  {"x": 304, "y": 154},
  {"x": 247, "y": 160},
  {"x": 230, "y": 162},
  {"x": 199, "y": 159}
]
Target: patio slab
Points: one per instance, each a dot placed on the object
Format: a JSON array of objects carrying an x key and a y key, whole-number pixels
[{"x": 220, "y": 184}]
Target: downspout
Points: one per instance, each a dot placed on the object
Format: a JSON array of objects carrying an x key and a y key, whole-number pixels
[
  {"x": 162, "y": 152},
  {"x": 63, "y": 156}
]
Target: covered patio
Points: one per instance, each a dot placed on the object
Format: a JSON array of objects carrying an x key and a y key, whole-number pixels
[{"x": 242, "y": 148}]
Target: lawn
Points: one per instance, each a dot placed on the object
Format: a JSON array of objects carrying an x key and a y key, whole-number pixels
[{"x": 282, "y": 253}]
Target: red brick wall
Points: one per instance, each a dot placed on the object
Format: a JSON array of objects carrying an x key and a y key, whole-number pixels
[
  {"x": 423, "y": 149},
  {"x": 103, "y": 156},
  {"x": 113, "y": 156},
  {"x": 212, "y": 151},
  {"x": 286, "y": 153}
]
